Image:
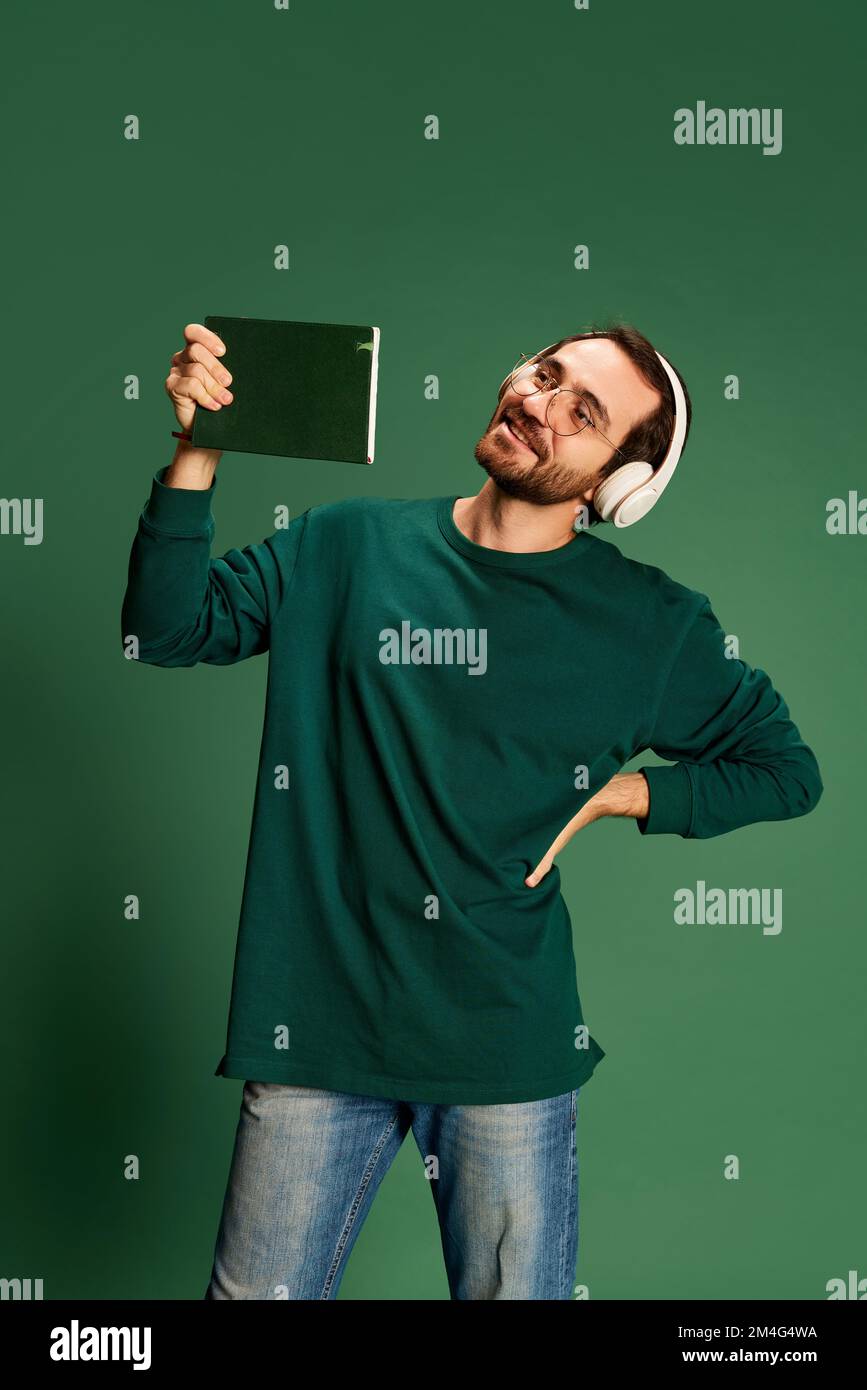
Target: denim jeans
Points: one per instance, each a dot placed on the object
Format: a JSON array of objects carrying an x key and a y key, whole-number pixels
[{"x": 307, "y": 1164}]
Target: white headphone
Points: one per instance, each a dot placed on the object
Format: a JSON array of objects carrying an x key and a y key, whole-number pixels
[{"x": 628, "y": 493}]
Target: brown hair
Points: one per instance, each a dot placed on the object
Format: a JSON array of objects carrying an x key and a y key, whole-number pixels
[{"x": 649, "y": 438}]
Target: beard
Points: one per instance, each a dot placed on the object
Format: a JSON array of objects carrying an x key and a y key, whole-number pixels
[{"x": 516, "y": 473}]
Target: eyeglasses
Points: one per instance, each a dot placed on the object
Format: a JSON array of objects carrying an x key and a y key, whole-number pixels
[{"x": 567, "y": 412}]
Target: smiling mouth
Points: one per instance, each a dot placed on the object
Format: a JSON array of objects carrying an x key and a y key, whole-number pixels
[{"x": 512, "y": 435}]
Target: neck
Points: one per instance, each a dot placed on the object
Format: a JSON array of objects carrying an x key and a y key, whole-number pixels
[{"x": 499, "y": 522}]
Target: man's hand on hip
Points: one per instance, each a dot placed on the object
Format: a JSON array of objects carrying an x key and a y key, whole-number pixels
[{"x": 627, "y": 794}]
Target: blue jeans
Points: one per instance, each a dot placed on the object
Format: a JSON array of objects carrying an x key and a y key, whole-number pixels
[{"x": 307, "y": 1164}]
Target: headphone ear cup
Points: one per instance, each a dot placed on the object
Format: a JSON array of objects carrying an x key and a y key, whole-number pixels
[{"x": 618, "y": 485}]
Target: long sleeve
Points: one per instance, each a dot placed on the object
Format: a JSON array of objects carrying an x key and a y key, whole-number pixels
[
  {"x": 184, "y": 607},
  {"x": 740, "y": 759}
]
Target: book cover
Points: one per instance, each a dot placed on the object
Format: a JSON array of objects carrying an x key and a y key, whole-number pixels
[{"x": 301, "y": 390}]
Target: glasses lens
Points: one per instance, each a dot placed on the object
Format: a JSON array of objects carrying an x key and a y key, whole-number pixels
[
  {"x": 568, "y": 413},
  {"x": 527, "y": 377}
]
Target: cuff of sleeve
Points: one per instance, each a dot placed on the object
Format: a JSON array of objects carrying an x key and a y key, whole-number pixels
[
  {"x": 180, "y": 511},
  {"x": 670, "y": 801}
]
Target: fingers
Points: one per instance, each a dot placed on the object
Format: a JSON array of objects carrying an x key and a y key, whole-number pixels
[
  {"x": 540, "y": 871},
  {"x": 198, "y": 333},
  {"x": 197, "y": 352},
  {"x": 196, "y": 371},
  {"x": 196, "y": 376},
  {"x": 582, "y": 818},
  {"x": 182, "y": 387}
]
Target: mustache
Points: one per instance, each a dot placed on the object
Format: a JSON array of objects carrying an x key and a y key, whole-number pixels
[{"x": 528, "y": 433}]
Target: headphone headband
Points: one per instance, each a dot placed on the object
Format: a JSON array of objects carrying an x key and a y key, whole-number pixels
[{"x": 634, "y": 488}]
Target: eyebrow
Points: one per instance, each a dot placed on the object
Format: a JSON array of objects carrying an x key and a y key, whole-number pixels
[{"x": 559, "y": 370}]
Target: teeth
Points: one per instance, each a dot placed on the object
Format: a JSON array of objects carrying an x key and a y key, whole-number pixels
[{"x": 518, "y": 433}]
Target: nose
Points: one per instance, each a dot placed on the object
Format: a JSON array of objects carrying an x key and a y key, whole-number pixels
[{"x": 534, "y": 406}]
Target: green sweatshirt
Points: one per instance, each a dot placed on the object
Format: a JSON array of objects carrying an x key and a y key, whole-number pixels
[{"x": 436, "y": 713}]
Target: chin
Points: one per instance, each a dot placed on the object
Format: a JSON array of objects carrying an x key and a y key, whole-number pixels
[
  {"x": 534, "y": 481},
  {"x": 491, "y": 455},
  {"x": 520, "y": 487},
  {"x": 521, "y": 480}
]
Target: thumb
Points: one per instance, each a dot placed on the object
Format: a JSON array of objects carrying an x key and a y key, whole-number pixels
[{"x": 538, "y": 873}]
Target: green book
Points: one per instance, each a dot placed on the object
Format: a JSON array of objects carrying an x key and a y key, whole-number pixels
[{"x": 302, "y": 390}]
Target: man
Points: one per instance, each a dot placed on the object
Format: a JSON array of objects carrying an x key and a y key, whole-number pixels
[{"x": 454, "y": 685}]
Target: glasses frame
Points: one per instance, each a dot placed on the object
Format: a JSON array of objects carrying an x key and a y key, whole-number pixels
[{"x": 556, "y": 389}]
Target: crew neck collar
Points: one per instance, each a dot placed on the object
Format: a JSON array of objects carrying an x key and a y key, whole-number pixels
[{"x": 567, "y": 554}]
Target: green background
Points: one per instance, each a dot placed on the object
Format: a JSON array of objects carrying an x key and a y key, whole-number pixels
[{"x": 306, "y": 127}]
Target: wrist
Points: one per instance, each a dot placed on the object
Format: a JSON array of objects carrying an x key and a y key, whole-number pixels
[
  {"x": 191, "y": 467},
  {"x": 627, "y": 794}
]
